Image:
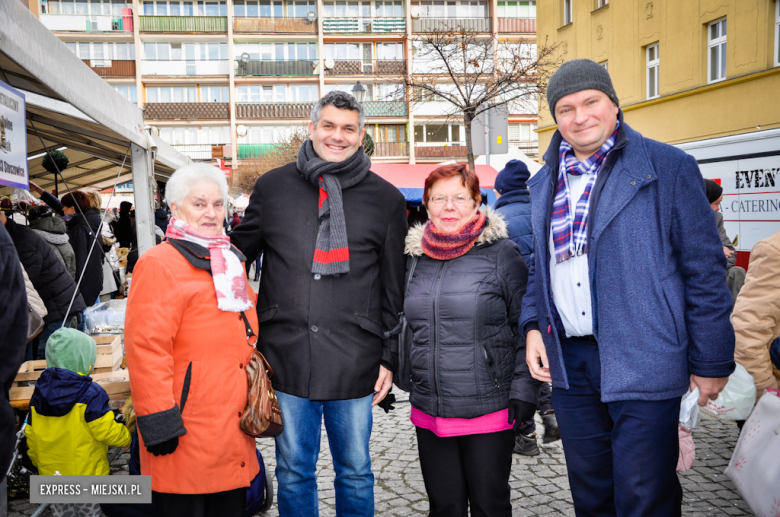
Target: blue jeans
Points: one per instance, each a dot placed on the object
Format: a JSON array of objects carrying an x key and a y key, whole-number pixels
[
  {"x": 621, "y": 456},
  {"x": 348, "y": 423}
]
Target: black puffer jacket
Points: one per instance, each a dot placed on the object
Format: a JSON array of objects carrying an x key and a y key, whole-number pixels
[
  {"x": 82, "y": 237},
  {"x": 468, "y": 358},
  {"x": 47, "y": 274}
]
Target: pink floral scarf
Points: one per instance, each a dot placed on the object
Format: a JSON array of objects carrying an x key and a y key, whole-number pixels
[{"x": 226, "y": 269}]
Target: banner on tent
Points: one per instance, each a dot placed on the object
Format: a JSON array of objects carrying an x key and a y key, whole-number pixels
[{"x": 13, "y": 138}]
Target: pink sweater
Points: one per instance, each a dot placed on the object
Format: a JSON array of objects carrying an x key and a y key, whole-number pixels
[{"x": 447, "y": 427}]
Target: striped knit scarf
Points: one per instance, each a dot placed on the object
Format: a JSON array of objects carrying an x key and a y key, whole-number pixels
[
  {"x": 226, "y": 270},
  {"x": 441, "y": 245},
  {"x": 331, "y": 254},
  {"x": 570, "y": 237}
]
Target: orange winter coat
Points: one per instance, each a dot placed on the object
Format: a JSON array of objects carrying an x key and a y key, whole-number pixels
[{"x": 172, "y": 319}]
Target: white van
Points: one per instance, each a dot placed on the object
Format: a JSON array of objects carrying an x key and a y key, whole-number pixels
[{"x": 747, "y": 166}]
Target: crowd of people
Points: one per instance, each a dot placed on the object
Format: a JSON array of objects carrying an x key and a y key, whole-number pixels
[{"x": 597, "y": 293}]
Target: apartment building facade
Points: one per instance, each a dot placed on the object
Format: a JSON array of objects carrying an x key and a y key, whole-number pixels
[
  {"x": 683, "y": 70},
  {"x": 229, "y": 78}
]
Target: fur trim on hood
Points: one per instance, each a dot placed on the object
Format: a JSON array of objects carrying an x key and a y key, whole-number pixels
[
  {"x": 53, "y": 238},
  {"x": 494, "y": 230}
]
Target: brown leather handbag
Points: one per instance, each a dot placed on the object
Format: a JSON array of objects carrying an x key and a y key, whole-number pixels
[{"x": 262, "y": 416}]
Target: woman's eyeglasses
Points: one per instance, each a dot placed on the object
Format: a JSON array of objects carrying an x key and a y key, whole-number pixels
[{"x": 459, "y": 200}]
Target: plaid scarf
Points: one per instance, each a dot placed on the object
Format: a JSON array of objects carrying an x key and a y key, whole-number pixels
[
  {"x": 570, "y": 238},
  {"x": 331, "y": 253},
  {"x": 227, "y": 272},
  {"x": 441, "y": 245}
]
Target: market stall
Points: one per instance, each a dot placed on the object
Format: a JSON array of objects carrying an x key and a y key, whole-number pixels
[{"x": 410, "y": 179}]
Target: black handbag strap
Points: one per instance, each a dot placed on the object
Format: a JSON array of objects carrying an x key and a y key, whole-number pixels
[
  {"x": 411, "y": 274},
  {"x": 251, "y": 337}
]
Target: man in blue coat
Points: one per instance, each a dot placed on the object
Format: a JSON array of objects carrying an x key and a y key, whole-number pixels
[
  {"x": 626, "y": 308},
  {"x": 514, "y": 205}
]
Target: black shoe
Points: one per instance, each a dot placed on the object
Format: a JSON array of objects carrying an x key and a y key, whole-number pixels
[
  {"x": 257, "y": 278},
  {"x": 551, "y": 431},
  {"x": 526, "y": 445}
]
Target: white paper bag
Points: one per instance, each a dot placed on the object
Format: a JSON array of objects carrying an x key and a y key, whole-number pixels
[{"x": 755, "y": 465}]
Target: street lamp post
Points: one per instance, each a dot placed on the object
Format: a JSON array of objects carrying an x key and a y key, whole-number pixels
[{"x": 359, "y": 91}]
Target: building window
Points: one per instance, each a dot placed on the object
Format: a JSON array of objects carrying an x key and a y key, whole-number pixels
[
  {"x": 256, "y": 93},
  {"x": 438, "y": 133},
  {"x": 605, "y": 64},
  {"x": 102, "y": 51},
  {"x": 652, "y": 71},
  {"x": 347, "y": 88},
  {"x": 777, "y": 33},
  {"x": 515, "y": 9},
  {"x": 716, "y": 51},
  {"x": 451, "y": 9},
  {"x": 94, "y": 7},
  {"x": 185, "y": 51},
  {"x": 567, "y": 14},
  {"x": 523, "y": 132},
  {"x": 184, "y": 8},
  {"x": 128, "y": 92},
  {"x": 276, "y": 51},
  {"x": 190, "y": 135},
  {"x": 601, "y": 3}
]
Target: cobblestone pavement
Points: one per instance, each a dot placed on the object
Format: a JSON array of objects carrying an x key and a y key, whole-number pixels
[{"x": 539, "y": 484}]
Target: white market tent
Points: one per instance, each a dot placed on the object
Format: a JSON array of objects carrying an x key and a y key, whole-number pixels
[
  {"x": 70, "y": 106},
  {"x": 499, "y": 161}
]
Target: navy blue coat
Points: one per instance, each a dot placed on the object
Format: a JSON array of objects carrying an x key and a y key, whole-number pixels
[
  {"x": 656, "y": 268},
  {"x": 515, "y": 208}
]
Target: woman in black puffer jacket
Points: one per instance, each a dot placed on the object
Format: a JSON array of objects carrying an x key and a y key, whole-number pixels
[
  {"x": 470, "y": 381},
  {"x": 83, "y": 225}
]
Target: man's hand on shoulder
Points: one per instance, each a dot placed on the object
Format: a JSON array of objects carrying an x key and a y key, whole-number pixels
[
  {"x": 709, "y": 387},
  {"x": 536, "y": 353},
  {"x": 383, "y": 384}
]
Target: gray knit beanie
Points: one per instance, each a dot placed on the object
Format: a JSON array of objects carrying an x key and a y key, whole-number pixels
[{"x": 575, "y": 76}]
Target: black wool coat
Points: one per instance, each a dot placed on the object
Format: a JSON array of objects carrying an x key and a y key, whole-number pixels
[
  {"x": 467, "y": 357},
  {"x": 82, "y": 237},
  {"x": 13, "y": 337},
  {"x": 325, "y": 332},
  {"x": 46, "y": 272}
]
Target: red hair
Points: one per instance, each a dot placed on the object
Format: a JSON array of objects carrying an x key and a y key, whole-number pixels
[
  {"x": 467, "y": 178},
  {"x": 76, "y": 198}
]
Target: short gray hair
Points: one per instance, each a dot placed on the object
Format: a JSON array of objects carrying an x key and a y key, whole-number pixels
[
  {"x": 179, "y": 185},
  {"x": 340, "y": 100}
]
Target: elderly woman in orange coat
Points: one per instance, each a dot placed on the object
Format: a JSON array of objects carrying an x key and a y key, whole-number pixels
[{"x": 186, "y": 328}]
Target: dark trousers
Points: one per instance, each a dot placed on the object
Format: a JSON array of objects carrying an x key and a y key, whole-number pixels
[
  {"x": 463, "y": 471},
  {"x": 621, "y": 456},
  {"x": 545, "y": 404},
  {"x": 221, "y": 504}
]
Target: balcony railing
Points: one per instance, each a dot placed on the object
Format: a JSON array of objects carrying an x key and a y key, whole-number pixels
[
  {"x": 274, "y": 25},
  {"x": 270, "y": 111},
  {"x": 195, "y": 151},
  {"x": 517, "y": 25},
  {"x": 451, "y": 24},
  {"x": 428, "y": 150},
  {"x": 187, "y": 111},
  {"x": 275, "y": 67},
  {"x": 386, "y": 108},
  {"x": 367, "y": 67},
  {"x": 250, "y": 151},
  {"x": 183, "y": 23},
  {"x": 391, "y": 149},
  {"x": 112, "y": 67},
  {"x": 530, "y": 148},
  {"x": 363, "y": 25},
  {"x": 433, "y": 109},
  {"x": 89, "y": 22},
  {"x": 176, "y": 68}
]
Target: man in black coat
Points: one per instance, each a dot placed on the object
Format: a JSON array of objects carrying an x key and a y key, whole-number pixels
[
  {"x": 13, "y": 336},
  {"x": 49, "y": 277},
  {"x": 332, "y": 285}
]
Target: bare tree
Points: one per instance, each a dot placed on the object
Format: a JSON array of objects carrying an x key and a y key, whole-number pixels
[
  {"x": 470, "y": 72},
  {"x": 284, "y": 151}
]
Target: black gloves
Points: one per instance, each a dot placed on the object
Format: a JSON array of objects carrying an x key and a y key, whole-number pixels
[
  {"x": 166, "y": 447},
  {"x": 519, "y": 413},
  {"x": 387, "y": 403}
]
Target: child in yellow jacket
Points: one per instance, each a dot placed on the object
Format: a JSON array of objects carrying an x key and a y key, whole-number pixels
[{"x": 70, "y": 425}]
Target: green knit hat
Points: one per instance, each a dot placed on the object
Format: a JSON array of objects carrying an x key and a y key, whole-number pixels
[{"x": 71, "y": 350}]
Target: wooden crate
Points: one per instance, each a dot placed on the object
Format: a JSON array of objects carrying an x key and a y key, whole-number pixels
[
  {"x": 29, "y": 371},
  {"x": 117, "y": 365},
  {"x": 116, "y": 384}
]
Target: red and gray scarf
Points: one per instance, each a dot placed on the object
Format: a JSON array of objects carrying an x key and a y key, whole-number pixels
[
  {"x": 331, "y": 254},
  {"x": 226, "y": 270},
  {"x": 441, "y": 245}
]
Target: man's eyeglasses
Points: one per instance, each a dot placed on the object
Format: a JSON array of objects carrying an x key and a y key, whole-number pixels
[{"x": 459, "y": 200}]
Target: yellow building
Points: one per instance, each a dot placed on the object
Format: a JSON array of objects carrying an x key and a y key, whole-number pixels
[{"x": 683, "y": 70}]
